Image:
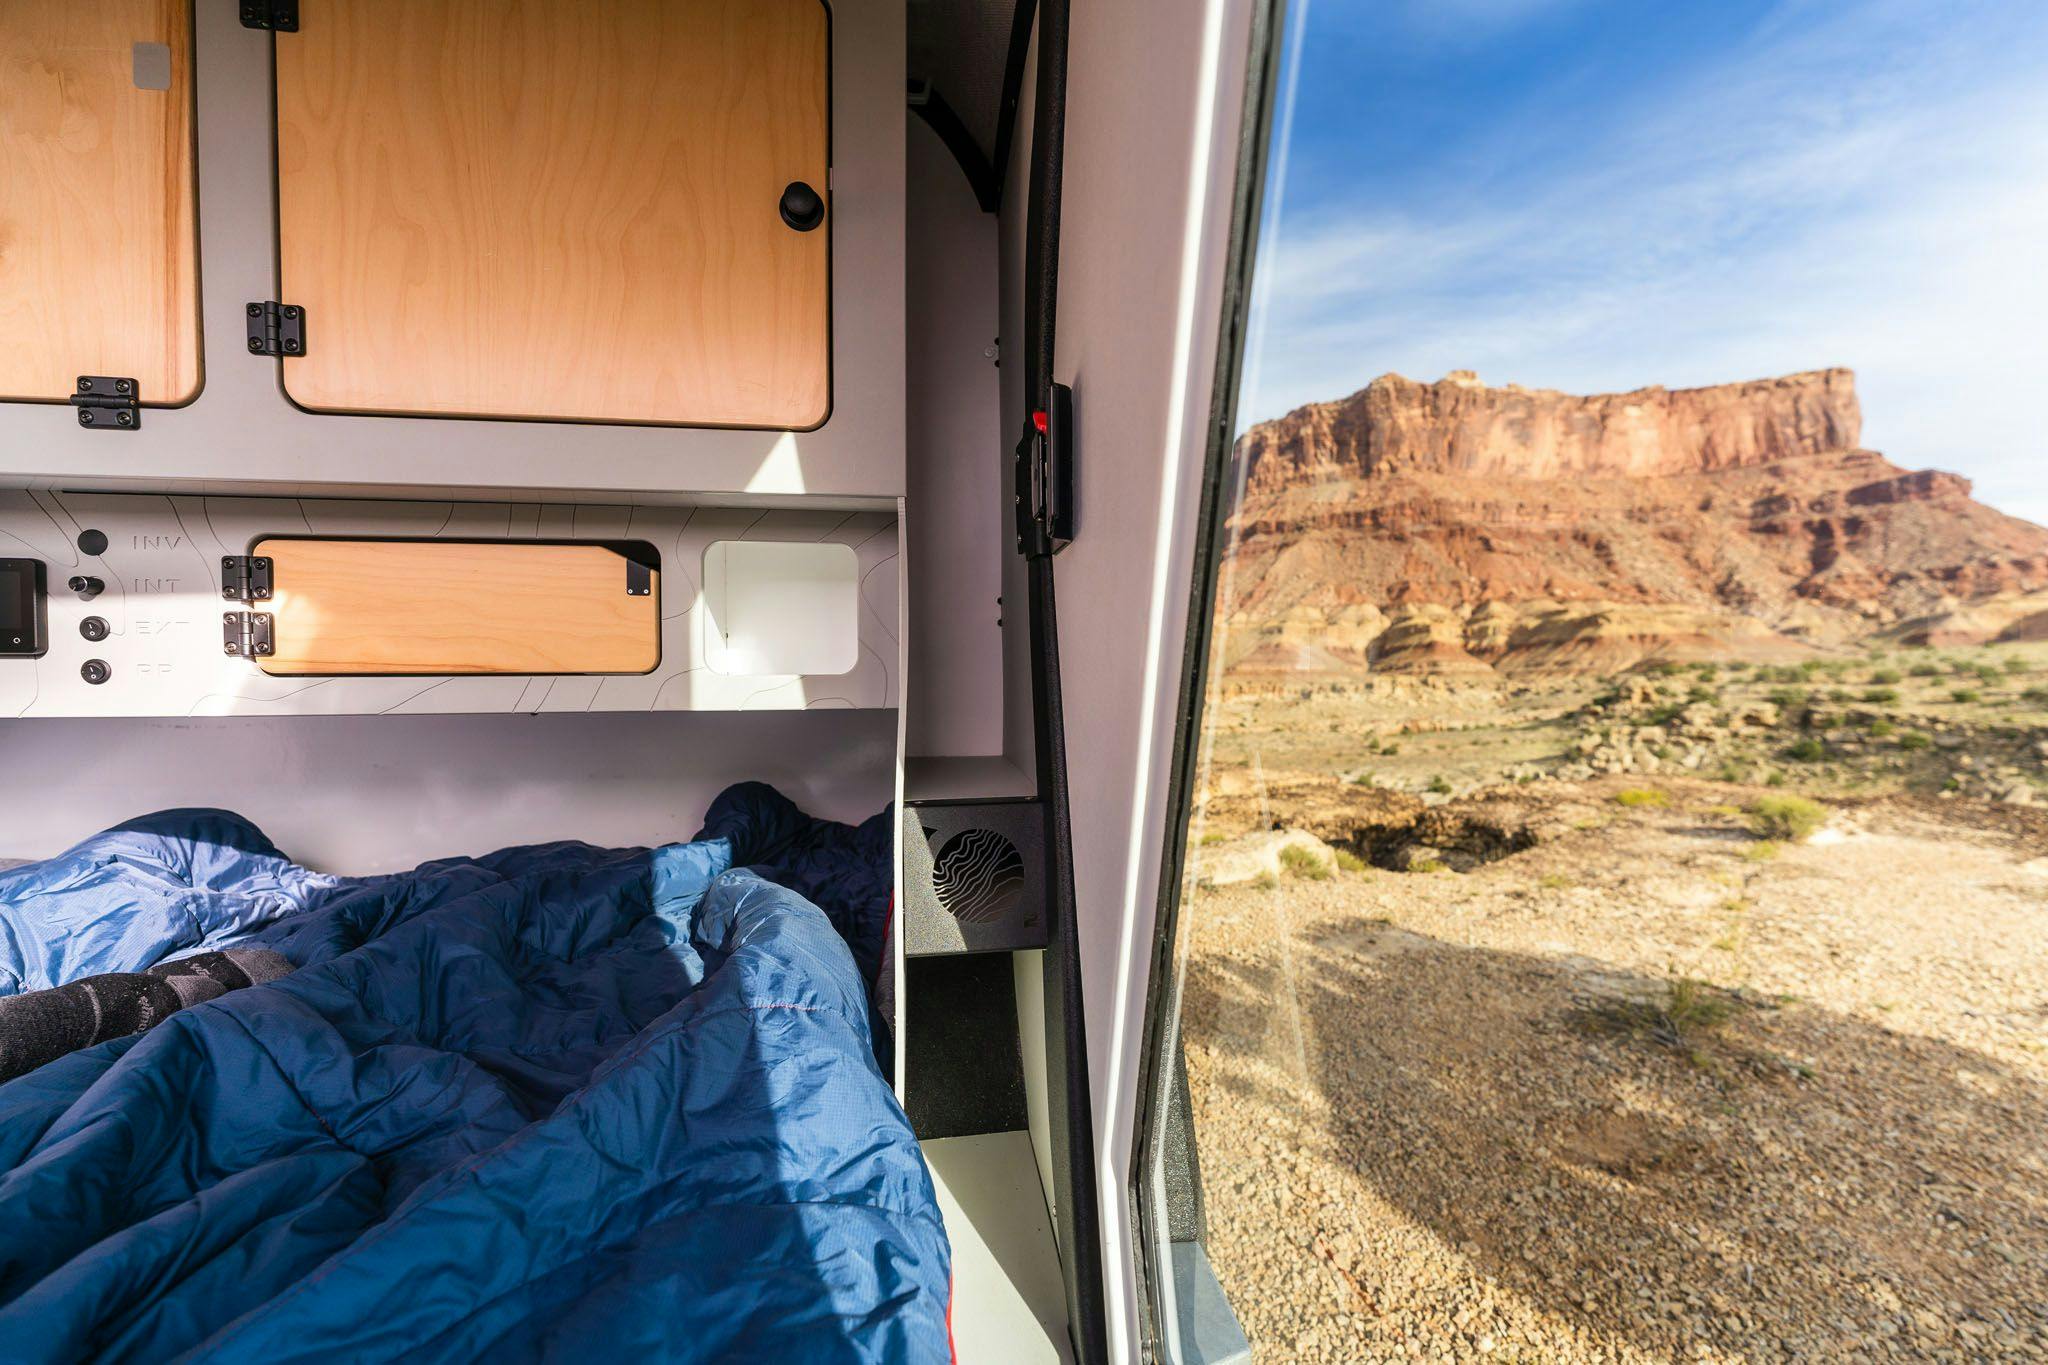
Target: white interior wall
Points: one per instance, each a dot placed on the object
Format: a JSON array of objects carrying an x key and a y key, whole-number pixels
[
  {"x": 1154, "y": 103},
  {"x": 952, "y": 519},
  {"x": 362, "y": 794}
]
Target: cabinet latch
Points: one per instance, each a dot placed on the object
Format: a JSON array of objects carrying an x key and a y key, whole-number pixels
[
  {"x": 280, "y": 15},
  {"x": 276, "y": 328},
  {"x": 108, "y": 402}
]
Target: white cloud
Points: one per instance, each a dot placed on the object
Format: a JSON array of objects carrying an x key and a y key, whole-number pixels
[{"x": 1765, "y": 216}]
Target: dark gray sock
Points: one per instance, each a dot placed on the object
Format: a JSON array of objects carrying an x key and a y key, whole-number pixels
[
  {"x": 41, "y": 1026},
  {"x": 233, "y": 968}
]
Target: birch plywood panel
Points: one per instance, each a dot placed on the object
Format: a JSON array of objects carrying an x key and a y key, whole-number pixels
[
  {"x": 557, "y": 211},
  {"x": 98, "y": 257},
  {"x": 451, "y": 607}
]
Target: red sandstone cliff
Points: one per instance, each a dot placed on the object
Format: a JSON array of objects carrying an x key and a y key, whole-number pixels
[{"x": 1737, "y": 519}]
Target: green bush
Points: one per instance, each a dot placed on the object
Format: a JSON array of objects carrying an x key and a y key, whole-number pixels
[
  {"x": 1965, "y": 694},
  {"x": 2036, "y": 695},
  {"x": 1807, "y": 750},
  {"x": 1305, "y": 863},
  {"x": 1881, "y": 696},
  {"x": 1885, "y": 675},
  {"x": 1882, "y": 729},
  {"x": 1925, "y": 671},
  {"x": 1347, "y": 861},
  {"x": 1789, "y": 696},
  {"x": 1440, "y": 784},
  {"x": 1642, "y": 796},
  {"x": 1914, "y": 741},
  {"x": 1794, "y": 818},
  {"x": 2016, "y": 666}
]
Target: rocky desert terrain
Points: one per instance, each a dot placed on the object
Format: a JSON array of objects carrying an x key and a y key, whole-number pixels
[{"x": 1617, "y": 911}]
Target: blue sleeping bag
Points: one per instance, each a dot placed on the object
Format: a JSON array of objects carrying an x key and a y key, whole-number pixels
[{"x": 559, "y": 1102}]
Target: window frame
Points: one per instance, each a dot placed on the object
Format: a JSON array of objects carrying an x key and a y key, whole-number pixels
[{"x": 1159, "y": 1071}]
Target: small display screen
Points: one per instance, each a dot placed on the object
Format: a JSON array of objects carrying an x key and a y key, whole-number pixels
[{"x": 14, "y": 598}]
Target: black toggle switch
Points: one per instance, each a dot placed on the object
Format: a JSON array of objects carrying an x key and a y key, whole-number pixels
[
  {"x": 801, "y": 206},
  {"x": 95, "y": 671},
  {"x": 93, "y": 628},
  {"x": 86, "y": 587}
]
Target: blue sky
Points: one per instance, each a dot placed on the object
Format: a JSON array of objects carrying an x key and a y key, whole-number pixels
[{"x": 1594, "y": 195}]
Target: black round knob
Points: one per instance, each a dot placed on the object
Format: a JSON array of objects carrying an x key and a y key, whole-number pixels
[
  {"x": 93, "y": 628},
  {"x": 95, "y": 671},
  {"x": 92, "y": 542},
  {"x": 802, "y": 208},
  {"x": 86, "y": 587}
]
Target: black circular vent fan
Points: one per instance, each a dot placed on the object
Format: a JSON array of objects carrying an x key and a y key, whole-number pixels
[{"x": 978, "y": 876}]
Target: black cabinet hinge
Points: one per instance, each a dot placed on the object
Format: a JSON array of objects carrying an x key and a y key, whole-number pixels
[
  {"x": 1045, "y": 478},
  {"x": 108, "y": 402},
  {"x": 245, "y": 578},
  {"x": 246, "y": 634},
  {"x": 281, "y": 15},
  {"x": 276, "y": 328}
]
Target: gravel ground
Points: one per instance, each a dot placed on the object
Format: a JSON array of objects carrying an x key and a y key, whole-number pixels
[{"x": 1449, "y": 1116}]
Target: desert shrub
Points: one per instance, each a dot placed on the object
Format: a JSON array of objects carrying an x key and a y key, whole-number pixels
[
  {"x": 1965, "y": 694},
  {"x": 1786, "y": 817},
  {"x": 1885, "y": 675},
  {"x": 1924, "y": 671},
  {"x": 1440, "y": 784},
  {"x": 2015, "y": 666},
  {"x": 1776, "y": 779},
  {"x": 1914, "y": 741},
  {"x": 1665, "y": 752},
  {"x": 1212, "y": 838},
  {"x": 1881, "y": 729},
  {"x": 1662, "y": 668},
  {"x": 1347, "y": 861},
  {"x": 1807, "y": 750},
  {"x": 1642, "y": 796},
  {"x": 1266, "y": 881},
  {"x": 1662, "y": 715},
  {"x": 1429, "y": 865},
  {"x": 1709, "y": 668},
  {"x": 1788, "y": 696},
  {"x": 1298, "y": 861},
  {"x": 1365, "y": 780},
  {"x": 1986, "y": 673},
  {"x": 1700, "y": 692},
  {"x": 1684, "y": 1018},
  {"x": 1390, "y": 749},
  {"x": 2036, "y": 695},
  {"x": 1881, "y": 696},
  {"x": 1762, "y": 851}
]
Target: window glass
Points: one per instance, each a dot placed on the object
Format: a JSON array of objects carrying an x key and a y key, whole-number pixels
[{"x": 1616, "y": 868}]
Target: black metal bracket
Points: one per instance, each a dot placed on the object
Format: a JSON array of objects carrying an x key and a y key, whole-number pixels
[
  {"x": 1045, "y": 478},
  {"x": 245, "y": 578},
  {"x": 246, "y": 634},
  {"x": 276, "y": 328},
  {"x": 281, "y": 15},
  {"x": 108, "y": 402},
  {"x": 639, "y": 578}
]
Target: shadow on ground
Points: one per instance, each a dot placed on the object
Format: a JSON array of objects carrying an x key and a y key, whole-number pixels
[{"x": 1792, "y": 1180}]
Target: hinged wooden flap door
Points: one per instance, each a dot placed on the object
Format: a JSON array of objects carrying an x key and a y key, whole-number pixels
[
  {"x": 455, "y": 606},
  {"x": 98, "y": 258},
  {"x": 572, "y": 211}
]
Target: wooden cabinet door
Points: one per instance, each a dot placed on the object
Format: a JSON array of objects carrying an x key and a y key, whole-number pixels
[
  {"x": 491, "y": 208},
  {"x": 356, "y": 606},
  {"x": 99, "y": 263}
]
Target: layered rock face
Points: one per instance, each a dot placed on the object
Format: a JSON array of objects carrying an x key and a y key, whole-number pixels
[
  {"x": 1460, "y": 426},
  {"x": 1453, "y": 526}
]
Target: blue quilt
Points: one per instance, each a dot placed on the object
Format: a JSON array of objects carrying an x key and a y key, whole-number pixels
[{"x": 559, "y": 1102}]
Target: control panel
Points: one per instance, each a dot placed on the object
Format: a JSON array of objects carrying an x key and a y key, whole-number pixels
[{"x": 118, "y": 602}]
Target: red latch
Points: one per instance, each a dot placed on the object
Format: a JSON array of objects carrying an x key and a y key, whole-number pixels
[{"x": 1041, "y": 421}]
